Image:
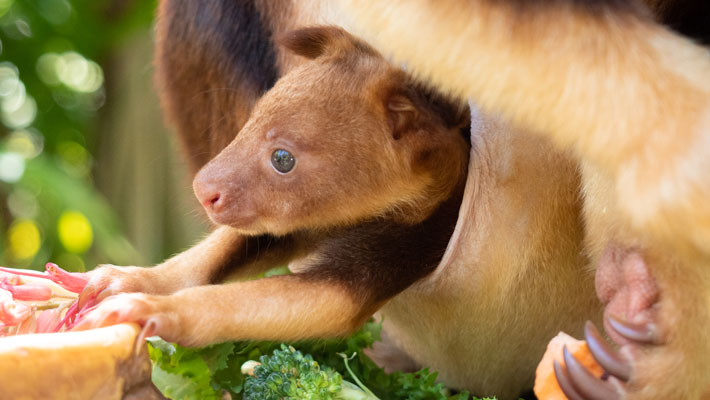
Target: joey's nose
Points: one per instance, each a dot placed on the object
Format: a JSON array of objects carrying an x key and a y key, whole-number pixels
[
  {"x": 208, "y": 194},
  {"x": 212, "y": 201}
]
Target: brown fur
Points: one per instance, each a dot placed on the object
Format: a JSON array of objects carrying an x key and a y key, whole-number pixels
[
  {"x": 631, "y": 99},
  {"x": 352, "y": 250},
  {"x": 416, "y": 170}
]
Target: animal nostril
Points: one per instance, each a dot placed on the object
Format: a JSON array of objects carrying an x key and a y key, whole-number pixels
[
  {"x": 212, "y": 201},
  {"x": 209, "y": 192}
]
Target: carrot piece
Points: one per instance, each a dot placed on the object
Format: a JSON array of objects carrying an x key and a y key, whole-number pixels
[{"x": 546, "y": 386}]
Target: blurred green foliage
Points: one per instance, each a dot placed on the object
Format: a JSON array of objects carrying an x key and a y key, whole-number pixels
[{"x": 52, "y": 90}]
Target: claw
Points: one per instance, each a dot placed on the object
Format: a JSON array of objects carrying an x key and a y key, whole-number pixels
[
  {"x": 148, "y": 330},
  {"x": 565, "y": 382},
  {"x": 587, "y": 384},
  {"x": 608, "y": 358},
  {"x": 89, "y": 293},
  {"x": 641, "y": 333}
]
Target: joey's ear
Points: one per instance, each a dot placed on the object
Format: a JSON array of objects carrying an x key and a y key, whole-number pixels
[
  {"x": 402, "y": 114},
  {"x": 314, "y": 41}
]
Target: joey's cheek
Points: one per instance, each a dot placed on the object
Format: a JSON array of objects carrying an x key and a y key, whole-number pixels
[{"x": 283, "y": 200}]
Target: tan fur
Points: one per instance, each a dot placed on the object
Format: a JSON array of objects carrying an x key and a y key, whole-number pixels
[
  {"x": 608, "y": 100},
  {"x": 513, "y": 275},
  {"x": 631, "y": 99}
]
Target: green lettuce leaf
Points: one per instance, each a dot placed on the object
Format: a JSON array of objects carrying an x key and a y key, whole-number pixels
[{"x": 210, "y": 372}]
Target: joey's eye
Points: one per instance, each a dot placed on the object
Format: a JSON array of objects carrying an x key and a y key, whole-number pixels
[{"x": 282, "y": 160}]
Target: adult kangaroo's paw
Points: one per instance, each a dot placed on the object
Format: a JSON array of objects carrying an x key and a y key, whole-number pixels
[
  {"x": 657, "y": 351},
  {"x": 579, "y": 384}
]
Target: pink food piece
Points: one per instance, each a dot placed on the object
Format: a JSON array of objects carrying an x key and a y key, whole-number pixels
[
  {"x": 28, "y": 291},
  {"x": 71, "y": 281},
  {"x": 49, "y": 321},
  {"x": 12, "y": 312}
]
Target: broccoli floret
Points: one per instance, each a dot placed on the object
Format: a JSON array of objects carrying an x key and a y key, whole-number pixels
[{"x": 288, "y": 374}]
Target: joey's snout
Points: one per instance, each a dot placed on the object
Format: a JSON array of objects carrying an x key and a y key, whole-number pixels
[
  {"x": 209, "y": 191},
  {"x": 219, "y": 190},
  {"x": 208, "y": 194}
]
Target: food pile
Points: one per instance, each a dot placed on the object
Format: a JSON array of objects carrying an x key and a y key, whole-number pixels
[
  {"x": 35, "y": 302},
  {"x": 41, "y": 359}
]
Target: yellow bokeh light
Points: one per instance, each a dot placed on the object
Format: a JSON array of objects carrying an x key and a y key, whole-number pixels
[
  {"x": 24, "y": 239},
  {"x": 75, "y": 232},
  {"x": 26, "y": 142},
  {"x": 73, "y": 153}
]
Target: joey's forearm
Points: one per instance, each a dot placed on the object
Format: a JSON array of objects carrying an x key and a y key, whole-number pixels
[
  {"x": 336, "y": 292},
  {"x": 288, "y": 307},
  {"x": 319, "y": 302}
]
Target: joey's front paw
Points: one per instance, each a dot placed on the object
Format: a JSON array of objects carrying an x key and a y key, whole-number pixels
[
  {"x": 154, "y": 313},
  {"x": 108, "y": 280}
]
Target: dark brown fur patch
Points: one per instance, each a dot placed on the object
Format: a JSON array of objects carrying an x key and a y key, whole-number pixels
[
  {"x": 265, "y": 248},
  {"x": 688, "y": 17},
  {"x": 233, "y": 36},
  {"x": 214, "y": 59},
  {"x": 377, "y": 259}
]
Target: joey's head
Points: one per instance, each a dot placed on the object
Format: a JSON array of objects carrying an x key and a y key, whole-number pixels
[{"x": 343, "y": 138}]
